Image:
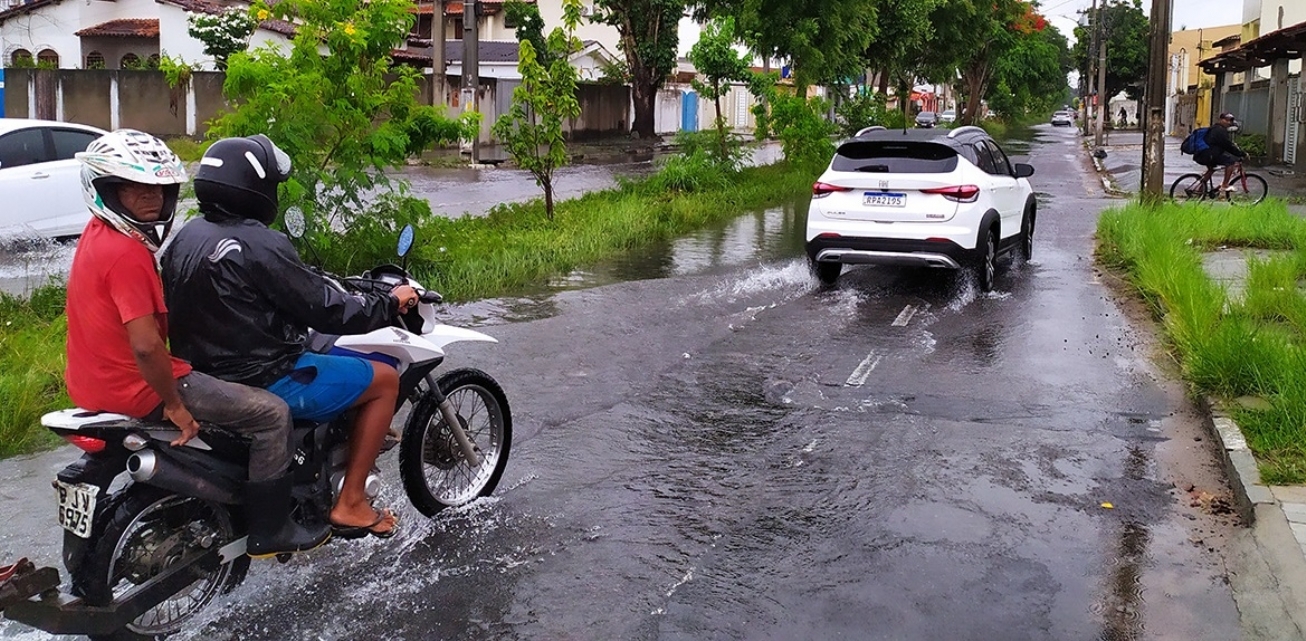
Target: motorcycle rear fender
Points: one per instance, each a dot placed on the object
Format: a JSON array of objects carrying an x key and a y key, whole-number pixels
[{"x": 111, "y": 427}]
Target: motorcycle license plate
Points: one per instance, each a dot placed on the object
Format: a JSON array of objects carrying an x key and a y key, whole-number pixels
[{"x": 76, "y": 506}]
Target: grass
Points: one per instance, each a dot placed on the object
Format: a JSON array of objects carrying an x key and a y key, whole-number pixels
[
  {"x": 1227, "y": 348},
  {"x": 514, "y": 248},
  {"x": 32, "y": 335},
  {"x": 187, "y": 150}
]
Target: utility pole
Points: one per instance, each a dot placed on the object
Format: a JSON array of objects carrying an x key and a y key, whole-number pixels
[
  {"x": 471, "y": 67},
  {"x": 1101, "y": 93},
  {"x": 1093, "y": 89},
  {"x": 439, "y": 70},
  {"x": 1157, "y": 68}
]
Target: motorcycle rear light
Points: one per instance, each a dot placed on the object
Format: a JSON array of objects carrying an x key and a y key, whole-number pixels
[
  {"x": 956, "y": 193},
  {"x": 828, "y": 234},
  {"x": 821, "y": 190},
  {"x": 88, "y": 444}
]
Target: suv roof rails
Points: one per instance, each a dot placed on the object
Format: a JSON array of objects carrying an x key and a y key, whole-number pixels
[
  {"x": 965, "y": 129},
  {"x": 868, "y": 130}
]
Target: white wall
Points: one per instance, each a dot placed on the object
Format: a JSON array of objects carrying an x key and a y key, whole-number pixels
[
  {"x": 551, "y": 12},
  {"x": 50, "y": 27},
  {"x": 175, "y": 40}
]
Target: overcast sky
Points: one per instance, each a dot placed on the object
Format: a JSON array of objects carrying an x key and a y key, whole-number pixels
[{"x": 1191, "y": 14}]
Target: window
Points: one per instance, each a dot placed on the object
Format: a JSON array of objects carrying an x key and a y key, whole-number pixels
[
  {"x": 895, "y": 157},
  {"x": 985, "y": 159},
  {"x": 130, "y": 61},
  {"x": 153, "y": 61},
  {"x": 67, "y": 142},
  {"x": 457, "y": 28},
  {"x": 94, "y": 60},
  {"x": 20, "y": 58},
  {"x": 1000, "y": 162},
  {"x": 48, "y": 58},
  {"x": 22, "y": 147}
]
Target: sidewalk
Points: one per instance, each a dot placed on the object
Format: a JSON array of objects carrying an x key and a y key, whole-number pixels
[{"x": 1124, "y": 159}]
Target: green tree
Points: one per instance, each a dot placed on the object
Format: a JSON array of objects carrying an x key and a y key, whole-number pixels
[
  {"x": 532, "y": 129},
  {"x": 344, "y": 116},
  {"x": 969, "y": 37},
  {"x": 648, "y": 39},
  {"x": 222, "y": 34},
  {"x": 1030, "y": 77},
  {"x": 905, "y": 25},
  {"x": 530, "y": 26},
  {"x": 715, "y": 57},
  {"x": 1125, "y": 30}
]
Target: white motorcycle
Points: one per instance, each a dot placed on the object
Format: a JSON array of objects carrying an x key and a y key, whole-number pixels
[{"x": 147, "y": 556}]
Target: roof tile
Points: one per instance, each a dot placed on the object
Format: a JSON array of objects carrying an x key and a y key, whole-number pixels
[{"x": 123, "y": 28}]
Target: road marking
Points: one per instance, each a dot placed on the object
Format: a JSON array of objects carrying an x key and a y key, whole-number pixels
[
  {"x": 904, "y": 316},
  {"x": 864, "y": 369}
]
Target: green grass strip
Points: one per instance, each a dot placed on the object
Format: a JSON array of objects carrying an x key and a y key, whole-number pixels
[{"x": 1228, "y": 347}]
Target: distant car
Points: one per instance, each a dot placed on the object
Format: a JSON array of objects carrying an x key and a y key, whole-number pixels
[
  {"x": 938, "y": 198},
  {"x": 1063, "y": 119},
  {"x": 949, "y": 115},
  {"x": 927, "y": 119},
  {"x": 40, "y": 180}
]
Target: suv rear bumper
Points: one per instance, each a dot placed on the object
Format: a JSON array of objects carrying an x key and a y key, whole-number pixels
[{"x": 888, "y": 251}]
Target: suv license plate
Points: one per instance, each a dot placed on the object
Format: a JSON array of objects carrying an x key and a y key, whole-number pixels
[
  {"x": 884, "y": 199},
  {"x": 76, "y": 506}
]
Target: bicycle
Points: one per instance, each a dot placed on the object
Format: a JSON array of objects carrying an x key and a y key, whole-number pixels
[{"x": 1244, "y": 188}]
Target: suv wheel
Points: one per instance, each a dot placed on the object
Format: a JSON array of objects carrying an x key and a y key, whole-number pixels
[
  {"x": 1027, "y": 235},
  {"x": 827, "y": 273},
  {"x": 986, "y": 261}
]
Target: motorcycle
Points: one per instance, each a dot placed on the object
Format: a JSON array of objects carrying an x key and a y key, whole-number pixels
[{"x": 147, "y": 556}]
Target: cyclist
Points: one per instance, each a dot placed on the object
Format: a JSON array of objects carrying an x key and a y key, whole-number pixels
[{"x": 1220, "y": 149}]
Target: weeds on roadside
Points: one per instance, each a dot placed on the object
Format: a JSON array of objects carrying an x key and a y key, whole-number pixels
[
  {"x": 32, "y": 333},
  {"x": 1228, "y": 346}
]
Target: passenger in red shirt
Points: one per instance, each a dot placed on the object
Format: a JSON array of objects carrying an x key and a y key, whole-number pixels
[{"x": 118, "y": 360}]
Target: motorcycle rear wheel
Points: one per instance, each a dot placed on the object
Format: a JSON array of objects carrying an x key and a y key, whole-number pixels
[
  {"x": 148, "y": 531},
  {"x": 434, "y": 471}
]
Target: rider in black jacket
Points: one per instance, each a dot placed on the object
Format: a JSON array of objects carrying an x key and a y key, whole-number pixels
[
  {"x": 1220, "y": 149},
  {"x": 242, "y": 303}
]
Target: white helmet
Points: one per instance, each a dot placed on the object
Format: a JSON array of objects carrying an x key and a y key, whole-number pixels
[{"x": 127, "y": 155}]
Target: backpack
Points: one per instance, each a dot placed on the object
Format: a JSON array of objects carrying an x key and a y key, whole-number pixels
[{"x": 1195, "y": 143}]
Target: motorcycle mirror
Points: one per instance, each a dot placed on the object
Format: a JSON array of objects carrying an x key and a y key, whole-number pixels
[
  {"x": 295, "y": 222},
  {"x": 405, "y": 240}
]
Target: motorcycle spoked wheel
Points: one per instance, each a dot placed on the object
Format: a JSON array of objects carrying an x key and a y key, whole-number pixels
[
  {"x": 148, "y": 531},
  {"x": 434, "y": 471}
]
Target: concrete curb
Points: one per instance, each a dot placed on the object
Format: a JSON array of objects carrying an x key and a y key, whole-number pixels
[
  {"x": 1108, "y": 182},
  {"x": 1239, "y": 464}
]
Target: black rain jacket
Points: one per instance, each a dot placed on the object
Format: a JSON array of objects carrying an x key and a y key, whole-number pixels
[
  {"x": 240, "y": 301},
  {"x": 1218, "y": 140}
]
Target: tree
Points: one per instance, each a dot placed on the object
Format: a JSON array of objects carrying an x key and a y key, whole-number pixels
[
  {"x": 714, "y": 57},
  {"x": 1125, "y": 30},
  {"x": 530, "y": 26},
  {"x": 897, "y": 54},
  {"x": 648, "y": 38},
  {"x": 1030, "y": 76},
  {"x": 222, "y": 34},
  {"x": 343, "y": 116},
  {"x": 969, "y": 37},
  {"x": 532, "y": 129}
]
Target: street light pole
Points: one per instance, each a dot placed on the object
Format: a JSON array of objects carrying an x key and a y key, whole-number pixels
[
  {"x": 1157, "y": 70},
  {"x": 1093, "y": 89},
  {"x": 1102, "y": 96}
]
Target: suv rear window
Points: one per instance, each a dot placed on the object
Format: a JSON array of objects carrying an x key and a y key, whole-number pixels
[{"x": 887, "y": 157}]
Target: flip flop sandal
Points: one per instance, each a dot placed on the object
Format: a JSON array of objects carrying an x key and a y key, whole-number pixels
[{"x": 360, "y": 531}]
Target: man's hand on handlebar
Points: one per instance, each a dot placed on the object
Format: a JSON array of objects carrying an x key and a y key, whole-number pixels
[{"x": 406, "y": 297}]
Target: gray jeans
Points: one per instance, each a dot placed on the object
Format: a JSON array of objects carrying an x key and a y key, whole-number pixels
[{"x": 253, "y": 412}]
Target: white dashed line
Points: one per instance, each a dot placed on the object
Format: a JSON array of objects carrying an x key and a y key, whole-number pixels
[
  {"x": 904, "y": 316},
  {"x": 864, "y": 369}
]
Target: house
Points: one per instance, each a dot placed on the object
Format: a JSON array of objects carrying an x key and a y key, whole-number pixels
[
  {"x": 1188, "y": 95},
  {"x": 1260, "y": 79},
  {"x": 112, "y": 34}
]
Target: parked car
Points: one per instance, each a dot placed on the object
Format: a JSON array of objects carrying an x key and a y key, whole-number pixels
[
  {"x": 927, "y": 119},
  {"x": 1063, "y": 119},
  {"x": 929, "y": 198},
  {"x": 948, "y": 115},
  {"x": 40, "y": 180}
]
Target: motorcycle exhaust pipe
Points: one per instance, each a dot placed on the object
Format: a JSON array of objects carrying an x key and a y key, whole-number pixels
[{"x": 149, "y": 468}]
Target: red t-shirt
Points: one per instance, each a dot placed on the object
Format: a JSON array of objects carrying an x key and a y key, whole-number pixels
[{"x": 113, "y": 281}]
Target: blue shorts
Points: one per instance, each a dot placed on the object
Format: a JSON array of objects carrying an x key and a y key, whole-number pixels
[{"x": 321, "y": 387}]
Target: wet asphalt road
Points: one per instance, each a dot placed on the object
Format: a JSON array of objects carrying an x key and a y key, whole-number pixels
[{"x": 722, "y": 450}]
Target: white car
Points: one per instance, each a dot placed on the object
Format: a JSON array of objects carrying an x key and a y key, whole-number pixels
[
  {"x": 949, "y": 115},
  {"x": 921, "y": 197},
  {"x": 40, "y": 180},
  {"x": 1063, "y": 119}
]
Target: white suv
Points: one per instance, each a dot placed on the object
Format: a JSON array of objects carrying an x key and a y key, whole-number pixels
[{"x": 920, "y": 197}]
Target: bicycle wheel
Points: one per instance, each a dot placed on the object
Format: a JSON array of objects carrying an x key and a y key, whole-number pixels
[
  {"x": 1188, "y": 188},
  {"x": 1249, "y": 190}
]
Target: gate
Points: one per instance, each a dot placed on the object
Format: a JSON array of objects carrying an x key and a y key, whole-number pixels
[
  {"x": 689, "y": 111},
  {"x": 1294, "y": 122}
]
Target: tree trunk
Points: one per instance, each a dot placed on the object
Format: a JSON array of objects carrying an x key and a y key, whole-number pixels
[
  {"x": 720, "y": 122},
  {"x": 884, "y": 83},
  {"x": 547, "y": 184},
  {"x": 644, "y": 95}
]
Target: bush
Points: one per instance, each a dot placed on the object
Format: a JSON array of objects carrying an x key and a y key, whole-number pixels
[
  {"x": 707, "y": 143},
  {"x": 1253, "y": 144},
  {"x": 861, "y": 111},
  {"x": 803, "y": 130},
  {"x": 688, "y": 173}
]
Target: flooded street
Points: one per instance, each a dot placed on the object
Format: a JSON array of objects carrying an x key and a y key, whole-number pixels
[{"x": 707, "y": 445}]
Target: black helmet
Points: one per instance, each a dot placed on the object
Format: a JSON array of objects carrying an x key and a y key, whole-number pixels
[{"x": 239, "y": 177}]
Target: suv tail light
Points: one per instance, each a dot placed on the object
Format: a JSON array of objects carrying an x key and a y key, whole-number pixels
[
  {"x": 956, "y": 193},
  {"x": 821, "y": 190}
]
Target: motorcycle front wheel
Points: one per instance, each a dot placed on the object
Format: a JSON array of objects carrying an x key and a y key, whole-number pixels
[
  {"x": 149, "y": 531},
  {"x": 435, "y": 473}
]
